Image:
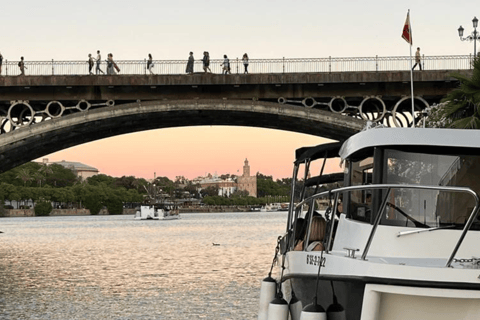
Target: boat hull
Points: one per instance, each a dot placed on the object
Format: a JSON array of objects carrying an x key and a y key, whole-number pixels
[{"x": 373, "y": 290}]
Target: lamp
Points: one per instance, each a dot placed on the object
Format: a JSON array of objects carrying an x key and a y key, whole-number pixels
[{"x": 472, "y": 37}]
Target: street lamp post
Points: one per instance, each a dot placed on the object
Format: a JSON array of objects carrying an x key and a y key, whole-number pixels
[{"x": 473, "y": 37}]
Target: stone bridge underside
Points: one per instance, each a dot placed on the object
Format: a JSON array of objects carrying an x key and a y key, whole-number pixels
[{"x": 27, "y": 143}]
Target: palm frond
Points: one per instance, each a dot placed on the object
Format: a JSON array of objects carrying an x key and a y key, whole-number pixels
[{"x": 467, "y": 123}]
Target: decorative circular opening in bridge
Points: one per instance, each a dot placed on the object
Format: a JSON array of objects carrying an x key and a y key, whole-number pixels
[
  {"x": 20, "y": 114},
  {"x": 402, "y": 112},
  {"x": 110, "y": 103},
  {"x": 309, "y": 102},
  {"x": 83, "y": 105},
  {"x": 372, "y": 108},
  {"x": 282, "y": 100},
  {"x": 54, "y": 109},
  {"x": 337, "y": 105}
]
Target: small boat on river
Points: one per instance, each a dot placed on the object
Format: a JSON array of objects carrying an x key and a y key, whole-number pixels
[
  {"x": 399, "y": 239},
  {"x": 156, "y": 206},
  {"x": 157, "y": 212}
]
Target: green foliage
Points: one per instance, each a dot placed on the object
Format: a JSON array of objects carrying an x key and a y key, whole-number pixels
[
  {"x": 239, "y": 193},
  {"x": 60, "y": 176},
  {"x": 113, "y": 202},
  {"x": 192, "y": 189},
  {"x": 101, "y": 179},
  {"x": 21, "y": 175},
  {"x": 167, "y": 185},
  {"x": 461, "y": 104},
  {"x": 93, "y": 203},
  {"x": 211, "y": 191},
  {"x": 267, "y": 187},
  {"x": 43, "y": 208}
]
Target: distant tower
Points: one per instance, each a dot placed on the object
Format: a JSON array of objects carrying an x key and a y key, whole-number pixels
[
  {"x": 247, "y": 182},
  {"x": 246, "y": 169}
]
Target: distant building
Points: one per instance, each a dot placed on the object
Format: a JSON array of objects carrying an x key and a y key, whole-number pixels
[
  {"x": 225, "y": 187},
  {"x": 246, "y": 181},
  {"x": 81, "y": 170}
]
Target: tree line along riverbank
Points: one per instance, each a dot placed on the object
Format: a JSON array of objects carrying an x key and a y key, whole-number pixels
[{"x": 37, "y": 189}]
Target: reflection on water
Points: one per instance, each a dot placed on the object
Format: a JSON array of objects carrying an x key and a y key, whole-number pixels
[{"x": 112, "y": 267}]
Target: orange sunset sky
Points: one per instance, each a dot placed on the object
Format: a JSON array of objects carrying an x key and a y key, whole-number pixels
[{"x": 193, "y": 151}]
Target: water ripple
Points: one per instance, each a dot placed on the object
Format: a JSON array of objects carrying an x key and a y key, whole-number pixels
[{"x": 112, "y": 267}]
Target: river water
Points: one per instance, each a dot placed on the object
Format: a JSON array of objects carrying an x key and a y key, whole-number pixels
[{"x": 113, "y": 267}]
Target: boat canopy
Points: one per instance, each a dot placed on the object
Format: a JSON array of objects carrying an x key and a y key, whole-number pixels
[
  {"x": 326, "y": 178},
  {"x": 329, "y": 150},
  {"x": 426, "y": 140}
]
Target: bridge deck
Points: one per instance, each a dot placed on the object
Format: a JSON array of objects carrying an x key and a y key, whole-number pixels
[{"x": 236, "y": 86}]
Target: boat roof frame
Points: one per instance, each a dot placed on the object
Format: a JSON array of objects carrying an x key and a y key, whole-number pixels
[
  {"x": 322, "y": 151},
  {"x": 426, "y": 140}
]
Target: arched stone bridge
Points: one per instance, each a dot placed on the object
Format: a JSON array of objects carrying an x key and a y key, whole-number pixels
[
  {"x": 28, "y": 142},
  {"x": 42, "y": 114}
]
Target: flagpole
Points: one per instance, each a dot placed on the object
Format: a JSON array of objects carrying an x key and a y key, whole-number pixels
[{"x": 411, "y": 72}]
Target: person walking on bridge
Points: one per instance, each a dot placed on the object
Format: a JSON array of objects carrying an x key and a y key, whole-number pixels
[
  {"x": 245, "y": 62},
  {"x": 110, "y": 65},
  {"x": 22, "y": 67},
  {"x": 206, "y": 62},
  {"x": 150, "y": 63},
  {"x": 417, "y": 59},
  {"x": 99, "y": 60},
  {"x": 90, "y": 64},
  {"x": 1, "y": 62},
  {"x": 226, "y": 65},
  {"x": 190, "y": 62}
]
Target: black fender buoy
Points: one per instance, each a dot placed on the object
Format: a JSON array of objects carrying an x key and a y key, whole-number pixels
[
  {"x": 278, "y": 309},
  {"x": 336, "y": 311}
]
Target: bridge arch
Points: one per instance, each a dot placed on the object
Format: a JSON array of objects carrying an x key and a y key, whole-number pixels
[{"x": 31, "y": 142}]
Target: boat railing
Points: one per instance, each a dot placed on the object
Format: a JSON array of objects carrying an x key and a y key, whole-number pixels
[{"x": 389, "y": 187}]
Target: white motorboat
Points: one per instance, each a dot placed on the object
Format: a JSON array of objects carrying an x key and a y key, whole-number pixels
[
  {"x": 271, "y": 207},
  {"x": 400, "y": 238},
  {"x": 157, "y": 212}
]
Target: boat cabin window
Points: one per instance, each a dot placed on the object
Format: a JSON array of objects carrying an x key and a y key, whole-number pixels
[
  {"x": 360, "y": 201},
  {"x": 429, "y": 208}
]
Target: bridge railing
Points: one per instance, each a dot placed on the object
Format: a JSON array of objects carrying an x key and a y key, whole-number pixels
[{"x": 282, "y": 65}]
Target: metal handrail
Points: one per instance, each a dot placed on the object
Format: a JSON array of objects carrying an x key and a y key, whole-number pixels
[
  {"x": 257, "y": 66},
  {"x": 467, "y": 226}
]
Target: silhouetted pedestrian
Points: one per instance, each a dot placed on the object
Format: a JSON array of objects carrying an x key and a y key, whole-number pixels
[
  {"x": 226, "y": 65},
  {"x": 190, "y": 62},
  {"x": 110, "y": 65},
  {"x": 150, "y": 63},
  {"x": 99, "y": 60},
  {"x": 245, "y": 62},
  {"x": 417, "y": 59},
  {"x": 206, "y": 62},
  {"x": 1, "y": 62},
  {"x": 90, "y": 63},
  {"x": 22, "y": 67}
]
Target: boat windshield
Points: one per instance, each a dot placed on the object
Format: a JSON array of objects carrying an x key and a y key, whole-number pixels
[{"x": 429, "y": 208}]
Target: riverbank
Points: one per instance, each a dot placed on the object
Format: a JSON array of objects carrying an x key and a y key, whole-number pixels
[
  {"x": 11, "y": 213},
  {"x": 85, "y": 212},
  {"x": 204, "y": 209}
]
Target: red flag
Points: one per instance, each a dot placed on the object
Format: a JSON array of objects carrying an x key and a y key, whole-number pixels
[{"x": 407, "y": 30}]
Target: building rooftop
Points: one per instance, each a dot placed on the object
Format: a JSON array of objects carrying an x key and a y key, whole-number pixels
[{"x": 78, "y": 166}]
